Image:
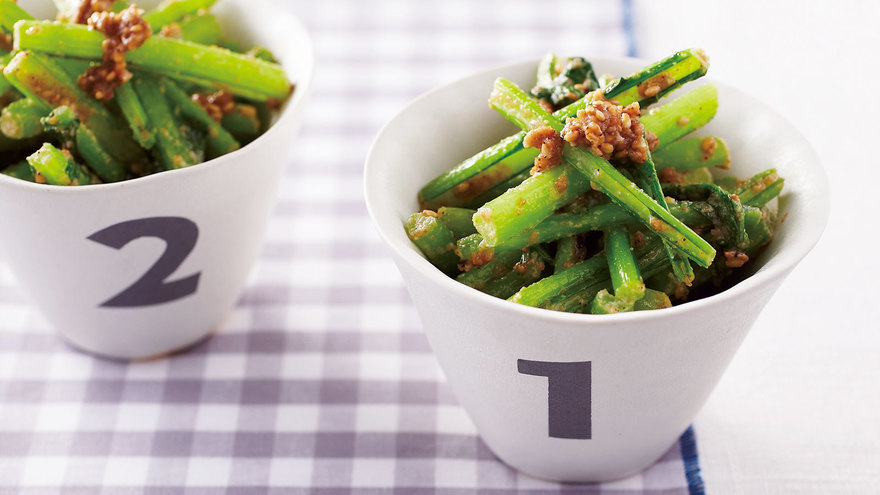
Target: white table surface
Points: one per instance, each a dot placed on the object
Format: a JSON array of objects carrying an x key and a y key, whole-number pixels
[{"x": 798, "y": 411}]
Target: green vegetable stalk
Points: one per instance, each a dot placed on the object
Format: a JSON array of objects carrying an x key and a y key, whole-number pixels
[
  {"x": 434, "y": 240},
  {"x": 221, "y": 68},
  {"x": 135, "y": 115},
  {"x": 625, "y": 276},
  {"x": 57, "y": 168},
  {"x": 21, "y": 119},
  {"x": 508, "y": 158},
  {"x": 172, "y": 149},
  {"x": 42, "y": 80},
  {"x": 21, "y": 170},
  {"x": 500, "y": 219},
  {"x": 76, "y": 136},
  {"x": 693, "y": 153},
  {"x": 174, "y": 10},
  {"x": 220, "y": 141}
]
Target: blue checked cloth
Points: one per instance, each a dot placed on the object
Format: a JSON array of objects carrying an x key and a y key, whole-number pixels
[{"x": 320, "y": 381}]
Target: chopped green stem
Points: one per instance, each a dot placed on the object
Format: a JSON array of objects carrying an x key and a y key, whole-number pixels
[
  {"x": 220, "y": 141},
  {"x": 61, "y": 124},
  {"x": 654, "y": 216},
  {"x": 264, "y": 114},
  {"x": 769, "y": 192},
  {"x": 605, "y": 303},
  {"x": 541, "y": 191},
  {"x": 195, "y": 138},
  {"x": 203, "y": 29},
  {"x": 516, "y": 106},
  {"x": 39, "y": 78},
  {"x": 580, "y": 301},
  {"x": 57, "y": 168},
  {"x": 693, "y": 153},
  {"x": 529, "y": 203},
  {"x": 755, "y": 185},
  {"x": 562, "y": 82},
  {"x": 760, "y": 225},
  {"x": 173, "y": 10},
  {"x": 171, "y": 147},
  {"x": 651, "y": 184},
  {"x": 255, "y": 96},
  {"x": 10, "y": 13},
  {"x": 67, "y": 8},
  {"x": 21, "y": 119},
  {"x": 458, "y": 220},
  {"x": 728, "y": 182},
  {"x": 498, "y": 189},
  {"x": 91, "y": 151},
  {"x": 546, "y": 71},
  {"x": 434, "y": 240},
  {"x": 724, "y": 211},
  {"x": 563, "y": 283},
  {"x": 76, "y": 136},
  {"x": 527, "y": 271},
  {"x": 553, "y": 291},
  {"x": 679, "y": 68},
  {"x": 6, "y": 94},
  {"x": 457, "y": 186},
  {"x": 480, "y": 276},
  {"x": 568, "y": 252},
  {"x": 176, "y": 58},
  {"x": 682, "y": 116},
  {"x": 471, "y": 249},
  {"x": 72, "y": 66},
  {"x": 626, "y": 280},
  {"x": 625, "y": 277},
  {"x": 21, "y": 170},
  {"x": 499, "y": 219},
  {"x": 19, "y": 145},
  {"x": 243, "y": 122},
  {"x": 135, "y": 115},
  {"x": 561, "y": 225},
  {"x": 695, "y": 176},
  {"x": 232, "y": 45},
  {"x": 653, "y": 299}
]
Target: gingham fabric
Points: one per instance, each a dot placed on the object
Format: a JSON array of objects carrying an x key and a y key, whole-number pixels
[{"x": 320, "y": 381}]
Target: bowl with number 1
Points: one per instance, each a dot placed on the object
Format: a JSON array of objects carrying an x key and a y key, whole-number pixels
[{"x": 581, "y": 397}]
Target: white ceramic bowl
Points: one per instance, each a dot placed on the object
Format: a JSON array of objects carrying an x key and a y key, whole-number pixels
[
  {"x": 210, "y": 217},
  {"x": 626, "y": 385}
]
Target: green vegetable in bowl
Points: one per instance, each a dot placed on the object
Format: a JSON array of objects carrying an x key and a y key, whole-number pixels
[
  {"x": 619, "y": 211},
  {"x": 479, "y": 173},
  {"x": 126, "y": 93}
]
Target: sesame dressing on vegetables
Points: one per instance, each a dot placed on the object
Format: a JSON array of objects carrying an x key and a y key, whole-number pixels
[
  {"x": 601, "y": 204},
  {"x": 109, "y": 92},
  {"x": 125, "y": 31}
]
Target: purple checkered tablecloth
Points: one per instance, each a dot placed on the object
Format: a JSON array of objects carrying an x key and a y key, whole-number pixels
[{"x": 320, "y": 381}]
